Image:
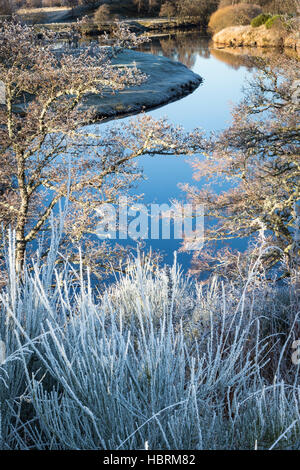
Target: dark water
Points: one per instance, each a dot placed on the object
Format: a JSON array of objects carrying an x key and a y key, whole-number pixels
[{"x": 208, "y": 107}]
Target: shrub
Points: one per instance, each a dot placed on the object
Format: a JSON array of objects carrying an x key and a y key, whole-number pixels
[
  {"x": 235, "y": 15},
  {"x": 102, "y": 15},
  {"x": 275, "y": 21},
  {"x": 260, "y": 20},
  {"x": 167, "y": 9}
]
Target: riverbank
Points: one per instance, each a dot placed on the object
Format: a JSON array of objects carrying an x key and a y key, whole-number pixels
[
  {"x": 144, "y": 26},
  {"x": 167, "y": 81},
  {"x": 61, "y": 20},
  {"x": 241, "y": 36}
]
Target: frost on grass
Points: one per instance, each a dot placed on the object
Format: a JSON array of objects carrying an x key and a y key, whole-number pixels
[{"x": 156, "y": 359}]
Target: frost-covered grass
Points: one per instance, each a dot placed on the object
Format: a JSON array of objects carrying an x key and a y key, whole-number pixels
[{"x": 157, "y": 358}]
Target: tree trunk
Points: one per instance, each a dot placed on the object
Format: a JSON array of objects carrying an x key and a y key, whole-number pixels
[
  {"x": 23, "y": 214},
  {"x": 20, "y": 251},
  {"x": 20, "y": 236}
]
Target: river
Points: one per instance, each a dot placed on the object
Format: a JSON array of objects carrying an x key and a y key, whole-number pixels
[{"x": 208, "y": 107}]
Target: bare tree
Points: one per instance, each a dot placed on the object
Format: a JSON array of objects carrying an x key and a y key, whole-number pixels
[
  {"x": 152, "y": 4},
  {"x": 259, "y": 155},
  {"x": 196, "y": 8},
  {"x": 6, "y": 7},
  {"x": 140, "y": 4},
  {"x": 168, "y": 9},
  {"x": 41, "y": 133}
]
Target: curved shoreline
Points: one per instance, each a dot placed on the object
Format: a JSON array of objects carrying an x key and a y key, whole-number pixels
[{"x": 167, "y": 81}]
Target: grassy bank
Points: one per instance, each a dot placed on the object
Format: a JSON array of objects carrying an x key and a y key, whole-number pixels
[
  {"x": 156, "y": 358},
  {"x": 241, "y": 36},
  {"x": 142, "y": 25}
]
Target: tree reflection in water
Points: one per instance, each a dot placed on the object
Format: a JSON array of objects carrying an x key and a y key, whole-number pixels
[
  {"x": 186, "y": 46},
  {"x": 182, "y": 47}
]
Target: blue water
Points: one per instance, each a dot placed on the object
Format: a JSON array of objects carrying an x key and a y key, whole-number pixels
[{"x": 208, "y": 107}]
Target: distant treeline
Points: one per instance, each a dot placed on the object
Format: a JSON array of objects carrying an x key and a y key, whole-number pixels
[{"x": 166, "y": 8}]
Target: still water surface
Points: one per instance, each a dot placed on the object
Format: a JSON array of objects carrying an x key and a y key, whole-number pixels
[{"x": 208, "y": 107}]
